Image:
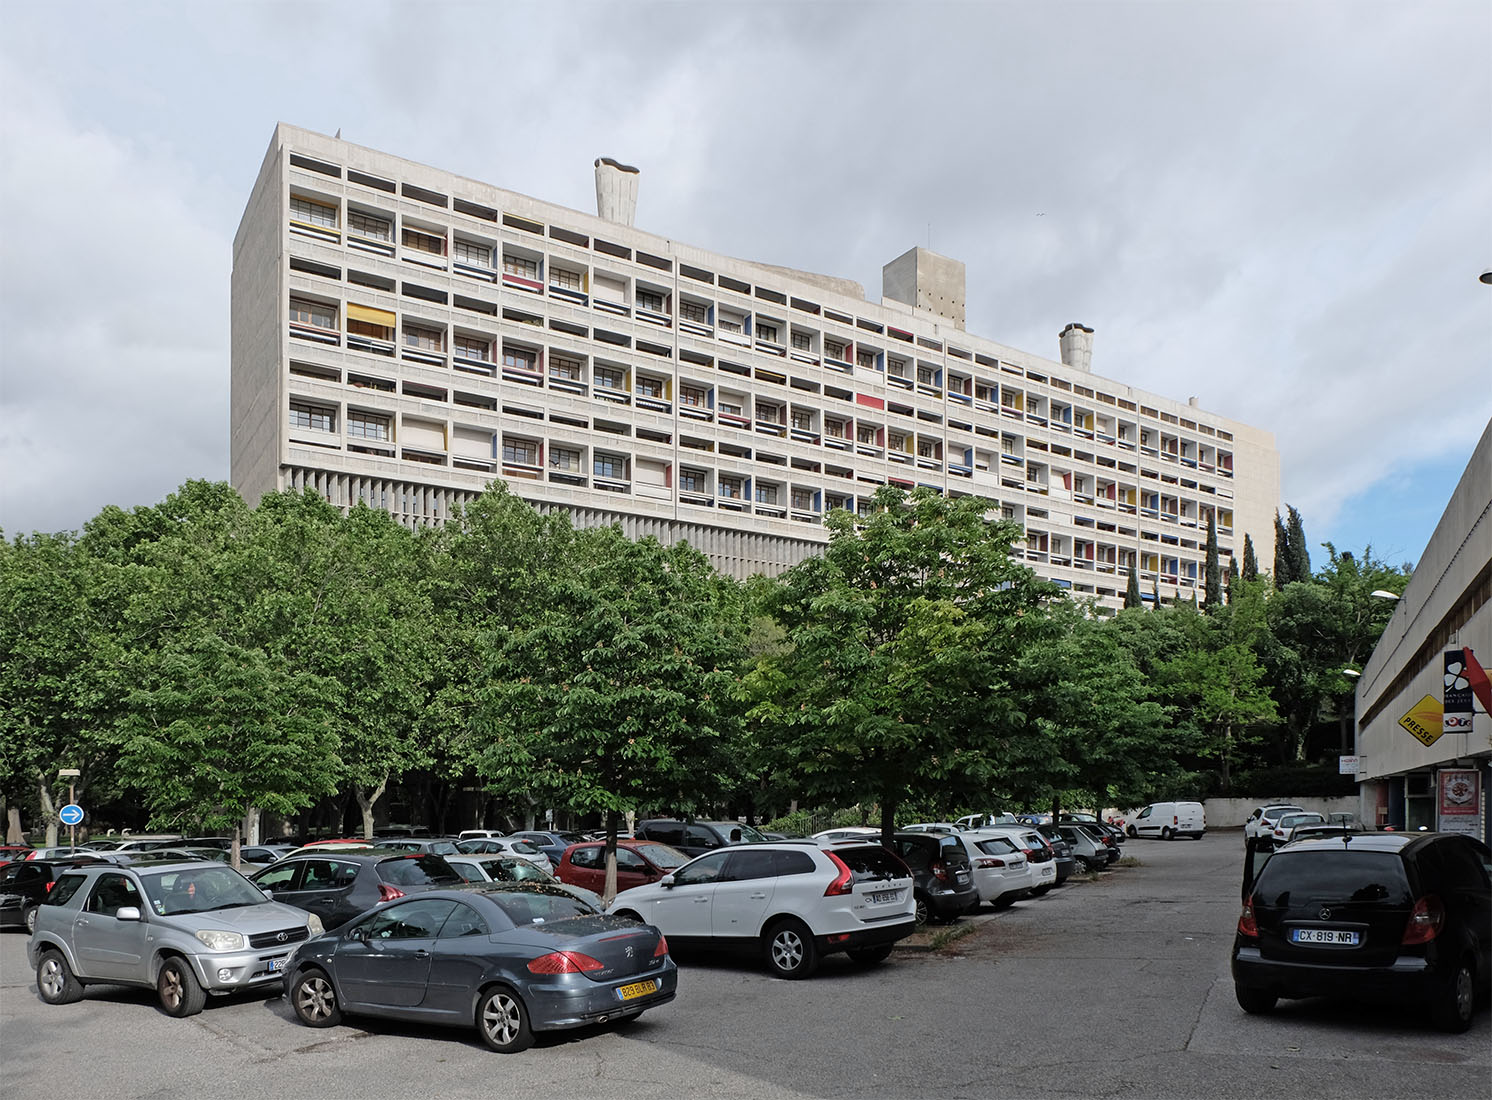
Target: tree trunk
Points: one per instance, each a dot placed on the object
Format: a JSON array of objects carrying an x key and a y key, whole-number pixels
[
  {"x": 13, "y": 825},
  {"x": 609, "y": 894},
  {"x": 234, "y": 860},
  {"x": 48, "y": 810},
  {"x": 365, "y": 801},
  {"x": 888, "y": 824},
  {"x": 251, "y": 825},
  {"x": 1227, "y": 752}
]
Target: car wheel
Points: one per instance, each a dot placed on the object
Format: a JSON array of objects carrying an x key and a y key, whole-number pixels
[
  {"x": 29, "y": 920},
  {"x": 180, "y": 993},
  {"x": 921, "y": 911},
  {"x": 869, "y": 956},
  {"x": 55, "y": 981},
  {"x": 503, "y": 1021},
  {"x": 1255, "y": 1002},
  {"x": 790, "y": 951},
  {"x": 315, "y": 1000},
  {"x": 1454, "y": 1004},
  {"x": 1166, "y": 834},
  {"x": 1130, "y": 829}
]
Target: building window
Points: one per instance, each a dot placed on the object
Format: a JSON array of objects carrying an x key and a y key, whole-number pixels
[
  {"x": 767, "y": 333},
  {"x": 689, "y": 395},
  {"x": 897, "y": 441},
  {"x": 772, "y": 414},
  {"x": 609, "y": 378},
  {"x": 314, "y": 213},
  {"x": 697, "y": 312},
  {"x": 1007, "y": 511},
  {"x": 561, "y": 458},
  {"x": 518, "y": 359},
  {"x": 426, "y": 339},
  {"x": 565, "y": 280},
  {"x": 424, "y": 242},
  {"x": 802, "y": 500},
  {"x": 369, "y": 225},
  {"x": 470, "y": 347},
  {"x": 834, "y": 349},
  {"x": 1007, "y": 445},
  {"x": 766, "y": 494},
  {"x": 731, "y": 488},
  {"x": 802, "y": 420},
  {"x": 562, "y": 367},
  {"x": 866, "y": 433},
  {"x": 651, "y": 300},
  {"x": 865, "y": 359},
  {"x": 314, "y": 314},
  {"x": 926, "y": 448},
  {"x": 925, "y": 375},
  {"x": 649, "y": 387},
  {"x": 898, "y": 368},
  {"x": 611, "y": 466},
  {"x": 311, "y": 416},
  {"x": 368, "y": 426},
  {"x": 693, "y": 481},
  {"x": 802, "y": 341},
  {"x": 521, "y": 266},
  {"x": 731, "y": 324},
  {"x": 730, "y": 408},
  {"x": 524, "y": 452},
  {"x": 476, "y": 255}
]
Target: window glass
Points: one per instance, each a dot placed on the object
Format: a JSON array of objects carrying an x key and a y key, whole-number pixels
[
  {"x": 322, "y": 874},
  {"x": 871, "y": 863},
  {"x": 586, "y": 857},
  {"x": 997, "y": 846},
  {"x": 660, "y": 855},
  {"x": 278, "y": 878},
  {"x": 702, "y": 870},
  {"x": 630, "y": 861},
  {"x": 793, "y": 863},
  {"x": 917, "y": 853},
  {"x": 749, "y": 864},
  {"x": 66, "y": 887},
  {"x": 665, "y": 832},
  {"x": 410, "y": 920},
  {"x": 1307, "y": 877},
  {"x": 464, "y": 921},
  {"x": 696, "y": 836},
  {"x": 112, "y": 893},
  {"x": 200, "y": 889},
  {"x": 468, "y": 871},
  {"x": 541, "y": 908},
  {"x": 417, "y": 871}
]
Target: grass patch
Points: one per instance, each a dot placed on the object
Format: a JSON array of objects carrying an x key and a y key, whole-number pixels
[
  {"x": 952, "y": 934},
  {"x": 1129, "y": 861}
]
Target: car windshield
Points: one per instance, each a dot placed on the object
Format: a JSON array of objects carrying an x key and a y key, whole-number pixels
[
  {"x": 199, "y": 890},
  {"x": 418, "y": 871},
  {"x": 1291, "y": 820},
  {"x": 541, "y": 908},
  {"x": 518, "y": 870},
  {"x": 661, "y": 855},
  {"x": 1311, "y": 877},
  {"x": 523, "y": 847}
]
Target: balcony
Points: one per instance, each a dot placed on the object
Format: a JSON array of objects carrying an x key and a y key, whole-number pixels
[
  {"x": 370, "y": 244},
  {"x": 424, "y": 358},
  {"x": 804, "y": 435},
  {"x": 316, "y": 334},
  {"x": 618, "y": 309},
  {"x": 565, "y": 294},
  {"x": 316, "y": 232},
  {"x": 653, "y": 404},
  {"x": 523, "y": 283},
  {"x": 770, "y": 427},
  {"x": 611, "y": 485},
  {"x": 696, "y": 328},
  {"x": 767, "y": 347},
  {"x": 369, "y": 345},
  {"x": 898, "y": 381},
  {"x": 472, "y": 271},
  {"x": 696, "y": 412},
  {"x": 652, "y": 317},
  {"x": 735, "y": 420},
  {"x": 523, "y": 376},
  {"x": 473, "y": 366},
  {"x": 838, "y": 365},
  {"x": 606, "y": 393}
]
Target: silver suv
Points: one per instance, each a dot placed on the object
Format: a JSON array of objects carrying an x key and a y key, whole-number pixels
[{"x": 185, "y": 929}]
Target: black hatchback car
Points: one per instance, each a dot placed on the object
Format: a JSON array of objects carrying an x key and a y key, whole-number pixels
[
  {"x": 942, "y": 881},
  {"x": 25, "y": 883},
  {"x": 1405, "y": 917},
  {"x": 339, "y": 885}
]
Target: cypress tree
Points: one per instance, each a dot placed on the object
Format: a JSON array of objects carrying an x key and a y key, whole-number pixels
[
  {"x": 1281, "y": 552},
  {"x": 1132, "y": 593},
  {"x": 1214, "y": 591},
  {"x": 1250, "y": 560},
  {"x": 1155, "y": 593},
  {"x": 1232, "y": 576},
  {"x": 1300, "y": 555}
]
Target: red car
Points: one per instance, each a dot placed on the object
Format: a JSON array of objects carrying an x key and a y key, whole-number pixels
[
  {"x": 9, "y": 852},
  {"x": 638, "y": 862}
]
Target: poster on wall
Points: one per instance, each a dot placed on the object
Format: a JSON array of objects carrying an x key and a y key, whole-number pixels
[
  {"x": 1456, "y": 713},
  {"x": 1459, "y": 801}
]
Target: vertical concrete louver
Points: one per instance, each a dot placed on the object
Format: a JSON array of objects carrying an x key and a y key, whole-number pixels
[
  {"x": 1077, "y": 346},
  {"x": 616, "y": 191}
]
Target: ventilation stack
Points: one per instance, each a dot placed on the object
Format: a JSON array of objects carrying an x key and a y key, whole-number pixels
[
  {"x": 616, "y": 191},
  {"x": 1077, "y": 347}
]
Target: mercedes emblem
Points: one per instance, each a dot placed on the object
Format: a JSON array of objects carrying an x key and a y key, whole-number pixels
[{"x": 1325, "y": 914}]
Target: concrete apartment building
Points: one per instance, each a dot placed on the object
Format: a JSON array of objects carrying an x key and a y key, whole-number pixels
[{"x": 402, "y": 336}]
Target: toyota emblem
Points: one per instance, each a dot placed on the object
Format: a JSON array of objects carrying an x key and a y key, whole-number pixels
[
  {"x": 1325, "y": 914},
  {"x": 283, "y": 937}
]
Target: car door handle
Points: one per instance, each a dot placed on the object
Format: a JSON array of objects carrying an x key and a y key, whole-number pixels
[
  {"x": 758, "y": 897},
  {"x": 701, "y": 900},
  {"x": 422, "y": 954}
]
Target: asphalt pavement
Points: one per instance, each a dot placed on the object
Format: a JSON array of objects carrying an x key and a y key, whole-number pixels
[{"x": 1117, "y": 987}]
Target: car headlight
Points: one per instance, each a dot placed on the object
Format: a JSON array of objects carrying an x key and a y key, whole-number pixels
[
  {"x": 221, "y": 941},
  {"x": 314, "y": 927}
]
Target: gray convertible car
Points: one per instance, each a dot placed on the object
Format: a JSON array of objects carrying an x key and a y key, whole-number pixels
[{"x": 508, "y": 959}]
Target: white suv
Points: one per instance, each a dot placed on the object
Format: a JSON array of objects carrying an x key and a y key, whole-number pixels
[
  {"x": 1262, "y": 821},
  {"x": 792, "y": 901}
]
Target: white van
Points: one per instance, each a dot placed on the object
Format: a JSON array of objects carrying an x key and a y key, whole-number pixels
[{"x": 1168, "y": 820}]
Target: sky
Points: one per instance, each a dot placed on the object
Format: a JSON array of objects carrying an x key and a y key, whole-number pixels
[{"x": 1281, "y": 209}]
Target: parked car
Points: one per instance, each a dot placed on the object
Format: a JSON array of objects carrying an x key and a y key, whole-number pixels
[
  {"x": 55, "y": 853},
  {"x": 186, "y": 929},
  {"x": 505, "y": 868},
  {"x": 695, "y": 838},
  {"x": 638, "y": 862},
  {"x": 1039, "y": 854},
  {"x": 479, "y": 834},
  {"x": 262, "y": 855},
  {"x": 1088, "y": 849},
  {"x": 509, "y": 962},
  {"x": 505, "y": 846},
  {"x": 1262, "y": 821},
  {"x": 11, "y": 852},
  {"x": 337, "y": 885},
  {"x": 1284, "y": 828},
  {"x": 1108, "y": 828},
  {"x": 1398, "y": 917},
  {"x": 930, "y": 827},
  {"x": 551, "y": 842},
  {"x": 793, "y": 901},
  {"x": 942, "y": 876},
  {"x": 1062, "y": 856},
  {"x": 853, "y": 832},
  {"x": 1001, "y": 873},
  {"x": 435, "y": 846},
  {"x": 24, "y": 885},
  {"x": 1169, "y": 820},
  {"x": 980, "y": 821}
]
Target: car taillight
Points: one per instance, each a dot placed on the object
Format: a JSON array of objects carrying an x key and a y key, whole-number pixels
[
  {"x": 662, "y": 948},
  {"x": 939, "y": 871},
  {"x": 1175, "y": 819},
  {"x": 844, "y": 882},
  {"x": 987, "y": 863},
  {"x": 1247, "y": 926},
  {"x": 1426, "y": 920},
  {"x": 565, "y": 962},
  {"x": 388, "y": 893},
  {"x": 49, "y": 886}
]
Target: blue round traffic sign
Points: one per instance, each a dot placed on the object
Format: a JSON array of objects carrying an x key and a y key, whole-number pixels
[{"x": 71, "y": 814}]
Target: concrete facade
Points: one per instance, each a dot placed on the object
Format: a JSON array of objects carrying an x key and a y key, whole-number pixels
[
  {"x": 402, "y": 336},
  {"x": 1448, "y": 604}
]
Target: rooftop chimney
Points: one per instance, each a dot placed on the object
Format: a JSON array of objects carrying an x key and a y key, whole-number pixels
[
  {"x": 925, "y": 280},
  {"x": 1077, "y": 347},
  {"x": 616, "y": 191}
]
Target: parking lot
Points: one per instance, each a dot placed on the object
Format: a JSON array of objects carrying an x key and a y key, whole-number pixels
[{"x": 1117, "y": 987}]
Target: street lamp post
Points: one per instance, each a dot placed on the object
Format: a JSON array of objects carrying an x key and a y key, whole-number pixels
[{"x": 70, "y": 774}]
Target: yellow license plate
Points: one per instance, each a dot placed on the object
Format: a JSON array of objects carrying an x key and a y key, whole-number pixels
[{"x": 637, "y": 989}]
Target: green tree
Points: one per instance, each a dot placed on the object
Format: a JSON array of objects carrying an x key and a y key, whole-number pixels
[
  {"x": 619, "y": 695},
  {"x": 1300, "y": 554},
  {"x": 1283, "y": 561},
  {"x": 1250, "y": 560},
  {"x": 1213, "y": 573},
  {"x": 897, "y": 640},
  {"x": 1232, "y": 577},
  {"x": 1132, "y": 589}
]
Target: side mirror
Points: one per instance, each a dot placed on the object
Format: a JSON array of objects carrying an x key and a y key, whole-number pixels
[
  {"x": 270, "y": 894},
  {"x": 127, "y": 912},
  {"x": 360, "y": 933},
  {"x": 666, "y": 882}
]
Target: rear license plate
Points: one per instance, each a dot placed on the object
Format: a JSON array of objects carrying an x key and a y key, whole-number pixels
[
  {"x": 1335, "y": 937},
  {"x": 637, "y": 989},
  {"x": 963, "y": 876},
  {"x": 1048, "y": 870},
  {"x": 883, "y": 896}
]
